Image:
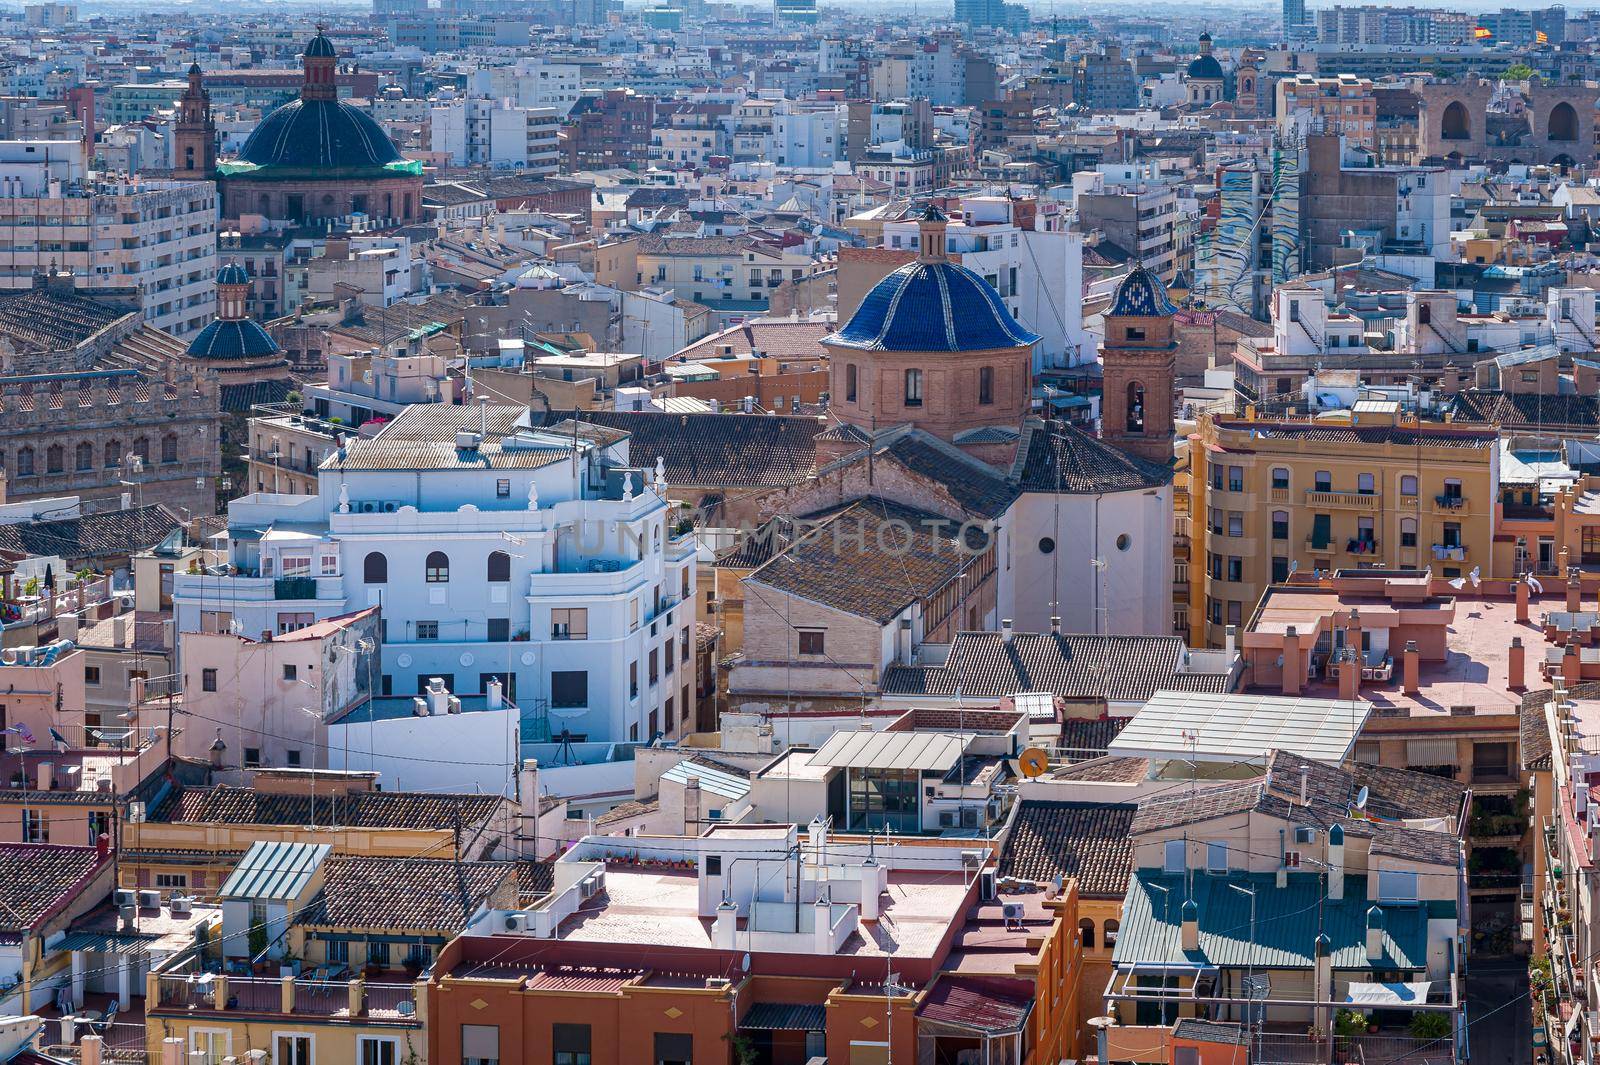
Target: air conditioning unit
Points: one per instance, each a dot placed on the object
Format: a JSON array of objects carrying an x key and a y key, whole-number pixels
[
  {"x": 947, "y": 818},
  {"x": 987, "y": 891},
  {"x": 181, "y": 905},
  {"x": 149, "y": 900},
  {"x": 1012, "y": 911},
  {"x": 969, "y": 817},
  {"x": 516, "y": 922},
  {"x": 125, "y": 897},
  {"x": 592, "y": 885}
]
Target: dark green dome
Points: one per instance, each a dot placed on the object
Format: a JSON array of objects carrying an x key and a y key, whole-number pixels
[
  {"x": 320, "y": 45},
  {"x": 319, "y": 135}
]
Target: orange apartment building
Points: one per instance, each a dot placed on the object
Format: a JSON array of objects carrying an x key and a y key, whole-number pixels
[{"x": 685, "y": 949}]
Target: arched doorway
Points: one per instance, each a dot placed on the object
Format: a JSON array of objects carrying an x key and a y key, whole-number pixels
[
  {"x": 1563, "y": 123},
  {"x": 1456, "y": 124},
  {"x": 1135, "y": 408}
]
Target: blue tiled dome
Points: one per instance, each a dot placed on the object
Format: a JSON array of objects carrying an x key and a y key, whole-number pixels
[
  {"x": 319, "y": 135},
  {"x": 1205, "y": 67},
  {"x": 232, "y": 274},
  {"x": 1140, "y": 295},
  {"x": 237, "y": 339},
  {"x": 932, "y": 306}
]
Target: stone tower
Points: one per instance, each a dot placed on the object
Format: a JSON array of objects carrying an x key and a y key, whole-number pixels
[
  {"x": 194, "y": 135},
  {"x": 1138, "y": 365}
]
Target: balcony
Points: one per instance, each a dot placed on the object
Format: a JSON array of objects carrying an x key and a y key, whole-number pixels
[
  {"x": 1366, "y": 502},
  {"x": 1449, "y": 504},
  {"x": 193, "y": 992},
  {"x": 1449, "y": 552}
]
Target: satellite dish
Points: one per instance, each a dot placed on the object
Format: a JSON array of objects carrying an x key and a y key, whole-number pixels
[
  {"x": 1361, "y": 798},
  {"x": 1033, "y": 762}
]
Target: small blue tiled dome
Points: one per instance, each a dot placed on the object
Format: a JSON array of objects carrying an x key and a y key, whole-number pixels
[
  {"x": 932, "y": 306},
  {"x": 232, "y": 274},
  {"x": 1140, "y": 295},
  {"x": 233, "y": 339}
]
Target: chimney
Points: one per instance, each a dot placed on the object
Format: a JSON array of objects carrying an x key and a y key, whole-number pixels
[
  {"x": 1563, "y": 559},
  {"x": 102, "y": 846},
  {"x": 1230, "y": 641},
  {"x": 493, "y": 694},
  {"x": 1574, "y": 592},
  {"x": 1305, "y": 785},
  {"x": 1055, "y": 624},
  {"x": 1005, "y": 629},
  {"x": 1293, "y": 663},
  {"x": 119, "y": 630},
  {"x": 822, "y": 928},
  {"x": 1571, "y": 668},
  {"x": 1336, "y": 863},
  {"x": 1411, "y": 667},
  {"x": 1516, "y": 664},
  {"x": 528, "y": 799},
  {"x": 1522, "y": 602},
  {"x": 1374, "y": 935},
  {"x": 1189, "y": 938},
  {"x": 1349, "y": 675},
  {"x": 725, "y": 927},
  {"x": 438, "y": 697},
  {"x": 1322, "y": 989},
  {"x": 816, "y": 837},
  {"x": 67, "y": 626},
  {"x": 89, "y": 1050}
]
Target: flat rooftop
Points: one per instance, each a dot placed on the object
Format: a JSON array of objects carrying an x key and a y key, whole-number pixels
[{"x": 660, "y": 908}]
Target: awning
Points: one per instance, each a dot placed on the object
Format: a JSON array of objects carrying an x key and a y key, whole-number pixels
[
  {"x": 785, "y": 1017},
  {"x": 859, "y": 749},
  {"x": 1403, "y": 994},
  {"x": 103, "y": 943},
  {"x": 1431, "y": 752}
]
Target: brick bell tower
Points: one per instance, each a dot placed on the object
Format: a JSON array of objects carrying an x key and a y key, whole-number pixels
[
  {"x": 1138, "y": 361},
  {"x": 194, "y": 134}
]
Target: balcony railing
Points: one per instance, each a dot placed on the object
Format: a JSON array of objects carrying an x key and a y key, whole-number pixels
[
  {"x": 294, "y": 588},
  {"x": 1364, "y": 501},
  {"x": 220, "y": 993}
]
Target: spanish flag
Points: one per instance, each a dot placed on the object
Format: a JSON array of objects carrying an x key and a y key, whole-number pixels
[
  {"x": 1541, "y": 37},
  {"x": 1481, "y": 33}
]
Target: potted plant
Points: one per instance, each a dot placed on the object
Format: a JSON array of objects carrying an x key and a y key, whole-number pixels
[
  {"x": 1429, "y": 1026},
  {"x": 1349, "y": 1022}
]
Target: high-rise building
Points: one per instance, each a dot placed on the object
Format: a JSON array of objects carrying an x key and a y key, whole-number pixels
[
  {"x": 498, "y": 134},
  {"x": 1294, "y": 18},
  {"x": 803, "y": 11}
]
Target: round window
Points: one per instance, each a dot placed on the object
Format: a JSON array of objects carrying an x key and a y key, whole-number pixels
[
  {"x": 1046, "y": 545},
  {"x": 1124, "y": 542}
]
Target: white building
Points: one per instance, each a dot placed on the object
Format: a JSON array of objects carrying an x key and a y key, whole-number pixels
[
  {"x": 538, "y": 557},
  {"x": 496, "y": 133},
  {"x": 154, "y": 242},
  {"x": 530, "y": 83},
  {"x": 807, "y": 139}
]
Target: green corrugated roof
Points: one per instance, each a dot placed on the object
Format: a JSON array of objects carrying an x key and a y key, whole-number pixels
[
  {"x": 1287, "y": 922},
  {"x": 274, "y": 870}
]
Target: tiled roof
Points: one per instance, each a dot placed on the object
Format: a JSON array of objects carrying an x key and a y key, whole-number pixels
[
  {"x": 1518, "y": 409},
  {"x": 778, "y": 339},
  {"x": 51, "y": 321},
  {"x": 976, "y": 487},
  {"x": 871, "y": 576},
  {"x": 1105, "y": 770},
  {"x": 35, "y": 878},
  {"x": 409, "y": 893},
  {"x": 1060, "y": 457},
  {"x": 984, "y": 665},
  {"x": 535, "y": 879},
  {"x": 626, "y": 811},
  {"x": 1091, "y": 734},
  {"x": 110, "y": 534},
  {"x": 1086, "y": 841},
  {"x": 1141, "y": 294},
  {"x": 372, "y": 809},
  {"x": 719, "y": 450},
  {"x": 1535, "y": 730}
]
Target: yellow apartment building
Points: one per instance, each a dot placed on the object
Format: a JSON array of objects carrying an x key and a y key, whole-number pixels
[{"x": 1364, "y": 488}]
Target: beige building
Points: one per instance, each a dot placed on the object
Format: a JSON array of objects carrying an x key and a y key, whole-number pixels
[
  {"x": 1366, "y": 488},
  {"x": 1341, "y": 104}
]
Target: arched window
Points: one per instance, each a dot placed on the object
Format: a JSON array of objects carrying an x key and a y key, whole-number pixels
[
  {"x": 499, "y": 567},
  {"x": 1086, "y": 930},
  {"x": 25, "y": 462},
  {"x": 1424, "y": 313},
  {"x": 85, "y": 456},
  {"x": 55, "y": 458},
  {"x": 1111, "y": 931},
  {"x": 141, "y": 449},
  {"x": 438, "y": 568},
  {"x": 169, "y": 448},
  {"x": 375, "y": 568},
  {"x": 113, "y": 454},
  {"x": 1135, "y": 412},
  {"x": 850, "y": 382}
]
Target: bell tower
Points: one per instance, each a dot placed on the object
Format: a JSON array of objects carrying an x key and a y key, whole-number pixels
[
  {"x": 1138, "y": 364},
  {"x": 194, "y": 134}
]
